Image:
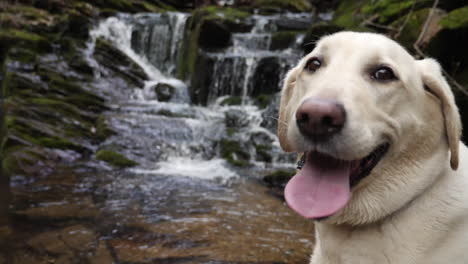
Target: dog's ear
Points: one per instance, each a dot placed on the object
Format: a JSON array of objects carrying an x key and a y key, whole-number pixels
[
  {"x": 286, "y": 93},
  {"x": 436, "y": 84}
]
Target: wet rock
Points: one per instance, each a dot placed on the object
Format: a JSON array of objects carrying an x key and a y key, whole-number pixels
[
  {"x": 214, "y": 35},
  {"x": 201, "y": 79},
  {"x": 278, "y": 178},
  {"x": 115, "y": 159},
  {"x": 236, "y": 118},
  {"x": 294, "y": 23},
  {"x": 266, "y": 76},
  {"x": 84, "y": 208},
  {"x": 119, "y": 63},
  {"x": 282, "y": 40},
  {"x": 232, "y": 100},
  {"x": 164, "y": 91},
  {"x": 64, "y": 242},
  {"x": 102, "y": 255},
  {"x": 234, "y": 153},
  {"x": 270, "y": 114}
]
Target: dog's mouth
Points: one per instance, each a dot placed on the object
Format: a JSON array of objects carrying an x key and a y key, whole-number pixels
[{"x": 323, "y": 185}]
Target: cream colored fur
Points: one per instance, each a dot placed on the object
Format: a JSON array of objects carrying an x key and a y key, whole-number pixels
[{"x": 413, "y": 207}]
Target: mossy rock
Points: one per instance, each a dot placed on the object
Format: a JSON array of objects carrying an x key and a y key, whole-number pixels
[
  {"x": 456, "y": 19},
  {"x": 115, "y": 159},
  {"x": 117, "y": 61},
  {"x": 232, "y": 100},
  {"x": 103, "y": 131},
  {"x": 264, "y": 100},
  {"x": 19, "y": 38},
  {"x": 289, "y": 5},
  {"x": 22, "y": 160},
  {"x": 278, "y": 178},
  {"x": 283, "y": 39},
  {"x": 168, "y": 113},
  {"x": 263, "y": 153},
  {"x": 230, "y": 19},
  {"x": 234, "y": 153}
]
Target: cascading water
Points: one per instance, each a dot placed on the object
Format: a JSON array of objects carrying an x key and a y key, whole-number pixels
[
  {"x": 236, "y": 69},
  {"x": 183, "y": 202},
  {"x": 175, "y": 137}
]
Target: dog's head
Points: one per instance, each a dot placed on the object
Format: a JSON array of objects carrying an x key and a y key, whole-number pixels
[{"x": 376, "y": 126}]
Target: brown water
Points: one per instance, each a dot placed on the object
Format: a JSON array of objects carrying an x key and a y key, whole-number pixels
[{"x": 123, "y": 217}]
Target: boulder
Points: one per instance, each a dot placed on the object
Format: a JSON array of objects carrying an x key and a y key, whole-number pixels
[
  {"x": 282, "y": 39},
  {"x": 266, "y": 76},
  {"x": 214, "y": 35},
  {"x": 119, "y": 63},
  {"x": 164, "y": 91}
]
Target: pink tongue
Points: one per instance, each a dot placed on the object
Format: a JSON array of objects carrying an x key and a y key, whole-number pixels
[{"x": 320, "y": 188}]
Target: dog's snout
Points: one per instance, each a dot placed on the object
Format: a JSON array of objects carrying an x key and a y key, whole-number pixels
[{"x": 320, "y": 118}]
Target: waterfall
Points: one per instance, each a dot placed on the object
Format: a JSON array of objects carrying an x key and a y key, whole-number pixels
[
  {"x": 236, "y": 68},
  {"x": 146, "y": 40},
  {"x": 174, "y": 137}
]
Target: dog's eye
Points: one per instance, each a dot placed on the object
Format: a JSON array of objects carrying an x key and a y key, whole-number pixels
[
  {"x": 313, "y": 64},
  {"x": 383, "y": 74}
]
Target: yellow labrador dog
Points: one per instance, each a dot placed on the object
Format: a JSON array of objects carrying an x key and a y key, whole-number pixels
[{"x": 384, "y": 170}]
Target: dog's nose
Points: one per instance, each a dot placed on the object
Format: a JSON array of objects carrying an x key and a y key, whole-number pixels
[{"x": 319, "y": 119}]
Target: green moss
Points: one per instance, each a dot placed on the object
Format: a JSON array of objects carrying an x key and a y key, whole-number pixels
[
  {"x": 20, "y": 38},
  {"x": 291, "y": 5},
  {"x": 115, "y": 159},
  {"x": 22, "y": 55},
  {"x": 233, "y": 153},
  {"x": 457, "y": 18},
  {"x": 263, "y": 153},
  {"x": 283, "y": 39},
  {"x": 347, "y": 14},
  {"x": 263, "y": 100},
  {"x": 278, "y": 178},
  {"x": 58, "y": 143},
  {"x": 102, "y": 129},
  {"x": 16, "y": 160},
  {"x": 232, "y": 100},
  {"x": 214, "y": 12},
  {"x": 231, "y": 131},
  {"x": 387, "y": 9},
  {"x": 168, "y": 113}
]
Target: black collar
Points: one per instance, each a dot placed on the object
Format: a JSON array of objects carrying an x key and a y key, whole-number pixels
[{"x": 301, "y": 162}]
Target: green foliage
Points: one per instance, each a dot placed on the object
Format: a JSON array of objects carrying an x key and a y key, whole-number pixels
[
  {"x": 291, "y": 5},
  {"x": 387, "y": 9},
  {"x": 347, "y": 14},
  {"x": 264, "y": 100},
  {"x": 115, "y": 159},
  {"x": 414, "y": 22},
  {"x": 457, "y": 18}
]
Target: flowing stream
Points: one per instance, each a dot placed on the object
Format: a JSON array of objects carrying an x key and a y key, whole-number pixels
[{"x": 183, "y": 203}]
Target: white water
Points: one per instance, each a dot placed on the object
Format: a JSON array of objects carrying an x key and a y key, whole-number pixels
[{"x": 186, "y": 143}]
